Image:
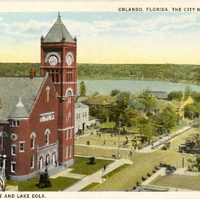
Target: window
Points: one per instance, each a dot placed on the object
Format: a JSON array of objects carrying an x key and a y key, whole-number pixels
[
  {"x": 32, "y": 142},
  {"x": 67, "y": 151},
  {"x": 41, "y": 163},
  {"x": 13, "y": 149},
  {"x": 14, "y": 123},
  {"x": 69, "y": 75},
  {"x": 47, "y": 132},
  {"x": 32, "y": 161},
  {"x": 68, "y": 93},
  {"x": 13, "y": 167},
  {"x": 21, "y": 146},
  {"x": 47, "y": 116},
  {"x": 66, "y": 134},
  {"x": 70, "y": 151},
  {"x": 4, "y": 143},
  {"x": 47, "y": 138},
  {"x": 47, "y": 160},
  {"x": 70, "y": 133},
  {"x": 32, "y": 136}
]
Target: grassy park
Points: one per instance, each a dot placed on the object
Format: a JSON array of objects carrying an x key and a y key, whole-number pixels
[{"x": 143, "y": 163}]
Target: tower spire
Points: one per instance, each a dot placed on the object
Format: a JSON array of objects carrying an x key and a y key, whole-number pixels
[{"x": 59, "y": 17}]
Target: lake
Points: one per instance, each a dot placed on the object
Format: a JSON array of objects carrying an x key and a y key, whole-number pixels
[{"x": 133, "y": 86}]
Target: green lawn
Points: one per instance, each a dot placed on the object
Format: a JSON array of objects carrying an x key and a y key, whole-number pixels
[
  {"x": 58, "y": 184},
  {"x": 112, "y": 173},
  {"x": 108, "y": 125},
  {"x": 61, "y": 183},
  {"x": 81, "y": 165}
]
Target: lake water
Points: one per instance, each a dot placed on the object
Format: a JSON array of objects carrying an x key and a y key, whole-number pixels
[{"x": 133, "y": 86}]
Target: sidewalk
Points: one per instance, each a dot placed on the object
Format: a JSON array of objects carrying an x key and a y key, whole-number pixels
[
  {"x": 158, "y": 143},
  {"x": 97, "y": 176}
]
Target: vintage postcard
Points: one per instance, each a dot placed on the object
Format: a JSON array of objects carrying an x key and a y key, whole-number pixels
[{"x": 99, "y": 99}]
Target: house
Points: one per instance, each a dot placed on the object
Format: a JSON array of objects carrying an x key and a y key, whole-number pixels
[
  {"x": 81, "y": 116},
  {"x": 98, "y": 100},
  {"x": 160, "y": 95},
  {"x": 37, "y": 113}
]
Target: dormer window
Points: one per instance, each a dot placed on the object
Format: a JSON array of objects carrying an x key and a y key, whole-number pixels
[{"x": 14, "y": 123}]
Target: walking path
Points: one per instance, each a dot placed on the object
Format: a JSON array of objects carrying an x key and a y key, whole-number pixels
[
  {"x": 97, "y": 176},
  {"x": 158, "y": 143}
]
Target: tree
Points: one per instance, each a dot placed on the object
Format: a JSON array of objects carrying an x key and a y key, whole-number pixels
[
  {"x": 131, "y": 117},
  {"x": 148, "y": 130},
  {"x": 103, "y": 114},
  {"x": 118, "y": 109},
  {"x": 148, "y": 100},
  {"x": 82, "y": 88},
  {"x": 175, "y": 95},
  {"x": 190, "y": 110},
  {"x": 187, "y": 92},
  {"x": 114, "y": 92},
  {"x": 196, "y": 96},
  {"x": 166, "y": 120}
]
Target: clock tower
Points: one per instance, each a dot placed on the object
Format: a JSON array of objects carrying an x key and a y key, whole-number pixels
[{"x": 58, "y": 58}]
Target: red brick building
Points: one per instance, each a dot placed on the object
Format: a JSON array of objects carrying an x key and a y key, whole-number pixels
[{"x": 37, "y": 113}]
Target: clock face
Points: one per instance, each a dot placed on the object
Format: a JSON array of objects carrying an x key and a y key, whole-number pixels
[
  {"x": 69, "y": 59},
  {"x": 53, "y": 60}
]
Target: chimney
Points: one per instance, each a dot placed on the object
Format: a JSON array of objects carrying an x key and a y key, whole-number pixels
[{"x": 32, "y": 73}]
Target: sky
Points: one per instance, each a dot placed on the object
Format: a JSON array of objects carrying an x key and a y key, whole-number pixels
[{"x": 110, "y": 37}]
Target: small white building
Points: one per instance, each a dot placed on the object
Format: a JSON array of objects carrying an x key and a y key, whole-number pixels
[{"x": 81, "y": 116}]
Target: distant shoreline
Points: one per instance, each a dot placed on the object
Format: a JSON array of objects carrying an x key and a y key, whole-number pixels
[{"x": 175, "y": 73}]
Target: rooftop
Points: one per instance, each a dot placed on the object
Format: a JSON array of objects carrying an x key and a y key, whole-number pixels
[
  {"x": 14, "y": 87},
  {"x": 58, "y": 32}
]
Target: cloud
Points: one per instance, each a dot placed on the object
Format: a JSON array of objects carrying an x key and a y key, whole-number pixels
[{"x": 27, "y": 29}]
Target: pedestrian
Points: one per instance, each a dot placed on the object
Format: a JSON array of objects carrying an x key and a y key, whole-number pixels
[{"x": 104, "y": 167}]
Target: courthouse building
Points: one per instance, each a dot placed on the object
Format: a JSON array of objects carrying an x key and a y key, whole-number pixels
[{"x": 37, "y": 112}]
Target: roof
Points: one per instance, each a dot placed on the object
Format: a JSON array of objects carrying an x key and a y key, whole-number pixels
[
  {"x": 101, "y": 100},
  {"x": 12, "y": 88},
  {"x": 80, "y": 105},
  {"x": 160, "y": 94},
  {"x": 82, "y": 98},
  {"x": 19, "y": 111},
  {"x": 58, "y": 32}
]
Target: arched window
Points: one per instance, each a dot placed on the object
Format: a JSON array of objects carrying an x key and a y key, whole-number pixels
[
  {"x": 32, "y": 136},
  {"x": 54, "y": 161},
  {"x": 4, "y": 136},
  {"x": 47, "y": 160},
  {"x": 47, "y": 133},
  {"x": 41, "y": 163},
  {"x": 69, "y": 92}
]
